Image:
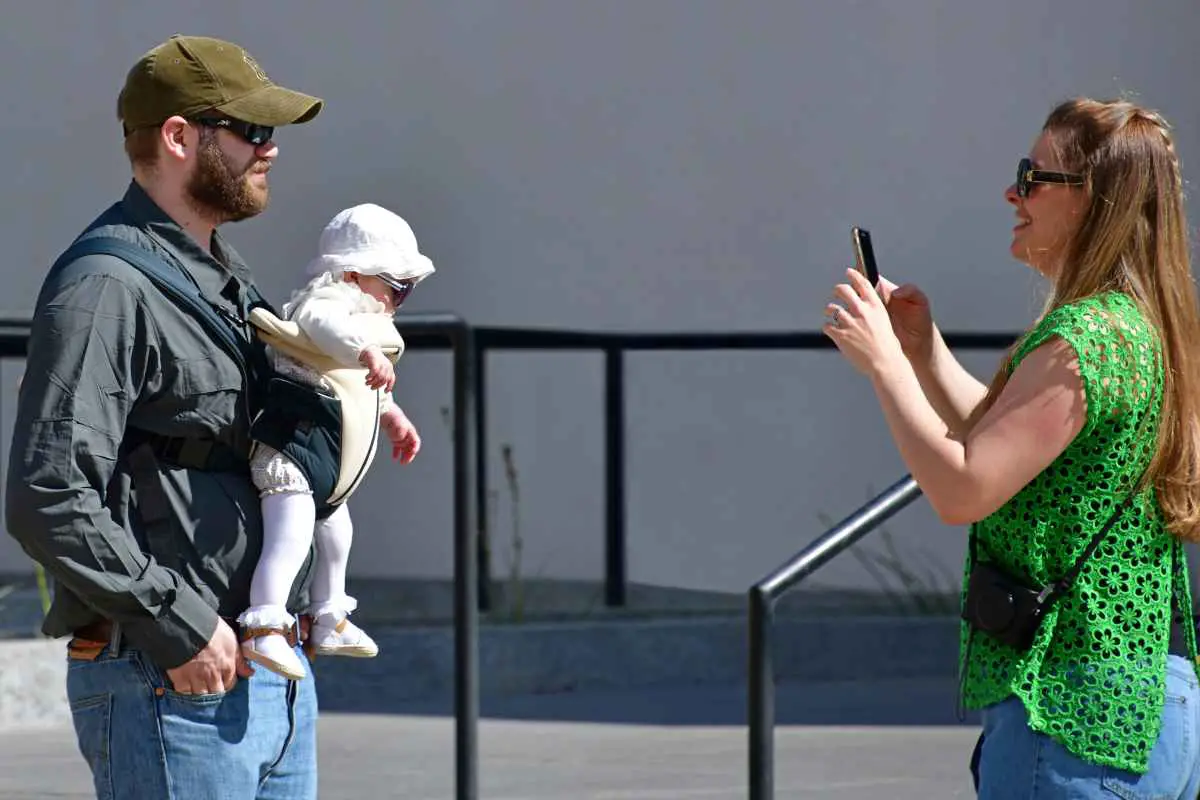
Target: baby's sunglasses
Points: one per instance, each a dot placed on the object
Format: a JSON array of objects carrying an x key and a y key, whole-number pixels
[{"x": 401, "y": 289}]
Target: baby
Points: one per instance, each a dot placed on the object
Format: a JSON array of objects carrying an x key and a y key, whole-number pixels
[{"x": 367, "y": 265}]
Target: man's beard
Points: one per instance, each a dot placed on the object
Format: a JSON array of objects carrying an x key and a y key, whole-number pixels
[{"x": 218, "y": 191}]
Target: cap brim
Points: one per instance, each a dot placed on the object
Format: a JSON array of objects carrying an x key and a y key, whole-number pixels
[{"x": 273, "y": 106}]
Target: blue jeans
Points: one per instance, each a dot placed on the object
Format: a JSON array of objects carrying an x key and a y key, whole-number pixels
[
  {"x": 143, "y": 740},
  {"x": 1015, "y": 763}
]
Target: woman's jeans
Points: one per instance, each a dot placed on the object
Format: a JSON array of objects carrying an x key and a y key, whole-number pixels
[
  {"x": 143, "y": 740},
  {"x": 1014, "y": 763}
]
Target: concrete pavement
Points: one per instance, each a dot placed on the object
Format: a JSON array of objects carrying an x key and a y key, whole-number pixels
[{"x": 853, "y": 740}]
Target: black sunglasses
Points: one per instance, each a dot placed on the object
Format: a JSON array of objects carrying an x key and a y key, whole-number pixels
[
  {"x": 401, "y": 293},
  {"x": 400, "y": 290},
  {"x": 1027, "y": 175},
  {"x": 257, "y": 135}
]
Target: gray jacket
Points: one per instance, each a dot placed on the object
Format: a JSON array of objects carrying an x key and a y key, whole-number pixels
[{"x": 110, "y": 359}]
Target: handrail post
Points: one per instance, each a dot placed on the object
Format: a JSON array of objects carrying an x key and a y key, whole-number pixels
[
  {"x": 484, "y": 544},
  {"x": 761, "y": 695},
  {"x": 466, "y": 611},
  {"x": 614, "y": 476},
  {"x": 763, "y": 597}
]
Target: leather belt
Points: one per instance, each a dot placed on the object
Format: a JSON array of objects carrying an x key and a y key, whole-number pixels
[{"x": 101, "y": 631}]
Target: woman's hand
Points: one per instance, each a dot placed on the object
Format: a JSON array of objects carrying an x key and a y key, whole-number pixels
[
  {"x": 860, "y": 326},
  {"x": 912, "y": 321}
]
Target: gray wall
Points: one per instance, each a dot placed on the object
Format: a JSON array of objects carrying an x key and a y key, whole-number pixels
[{"x": 622, "y": 165}]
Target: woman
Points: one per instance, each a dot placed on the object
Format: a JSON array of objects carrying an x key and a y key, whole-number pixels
[{"x": 1089, "y": 430}]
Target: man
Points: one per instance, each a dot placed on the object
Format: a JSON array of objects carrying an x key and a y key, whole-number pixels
[{"x": 128, "y": 476}]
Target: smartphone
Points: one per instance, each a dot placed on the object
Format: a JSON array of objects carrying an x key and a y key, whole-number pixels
[{"x": 864, "y": 254}]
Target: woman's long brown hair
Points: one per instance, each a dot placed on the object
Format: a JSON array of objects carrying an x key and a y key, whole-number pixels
[{"x": 1133, "y": 238}]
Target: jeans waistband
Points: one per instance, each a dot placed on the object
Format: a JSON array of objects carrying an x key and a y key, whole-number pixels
[{"x": 1181, "y": 666}]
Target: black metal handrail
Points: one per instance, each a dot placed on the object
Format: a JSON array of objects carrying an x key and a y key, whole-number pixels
[
  {"x": 762, "y": 598},
  {"x": 614, "y": 345},
  {"x": 461, "y": 337}
]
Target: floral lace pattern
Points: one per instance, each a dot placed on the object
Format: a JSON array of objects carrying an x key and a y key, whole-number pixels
[
  {"x": 274, "y": 473},
  {"x": 1094, "y": 678}
]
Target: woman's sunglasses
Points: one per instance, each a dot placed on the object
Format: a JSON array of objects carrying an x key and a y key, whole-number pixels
[
  {"x": 1027, "y": 175},
  {"x": 257, "y": 135}
]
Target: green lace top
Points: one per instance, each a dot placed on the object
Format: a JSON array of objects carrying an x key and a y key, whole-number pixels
[{"x": 1094, "y": 678}]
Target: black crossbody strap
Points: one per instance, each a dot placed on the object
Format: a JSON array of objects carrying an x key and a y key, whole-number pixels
[{"x": 1064, "y": 583}]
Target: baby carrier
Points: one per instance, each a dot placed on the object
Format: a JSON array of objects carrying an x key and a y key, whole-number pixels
[{"x": 331, "y": 437}]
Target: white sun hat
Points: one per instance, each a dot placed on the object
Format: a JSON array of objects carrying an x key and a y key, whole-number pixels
[{"x": 370, "y": 240}]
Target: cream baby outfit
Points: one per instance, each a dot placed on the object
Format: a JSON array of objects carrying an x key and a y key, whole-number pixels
[{"x": 339, "y": 320}]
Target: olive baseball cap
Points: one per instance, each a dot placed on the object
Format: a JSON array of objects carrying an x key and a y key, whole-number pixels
[{"x": 187, "y": 75}]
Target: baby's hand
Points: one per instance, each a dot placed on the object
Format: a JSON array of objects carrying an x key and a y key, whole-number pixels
[
  {"x": 380, "y": 374},
  {"x": 406, "y": 442}
]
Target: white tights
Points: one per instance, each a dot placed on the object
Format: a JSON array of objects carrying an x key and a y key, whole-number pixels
[{"x": 289, "y": 525}]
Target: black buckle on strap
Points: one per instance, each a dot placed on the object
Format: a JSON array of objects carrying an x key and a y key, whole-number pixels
[
  {"x": 190, "y": 453},
  {"x": 195, "y": 453}
]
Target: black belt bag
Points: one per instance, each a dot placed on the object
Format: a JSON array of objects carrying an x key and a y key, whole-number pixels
[
  {"x": 1010, "y": 611},
  {"x": 1003, "y": 608}
]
